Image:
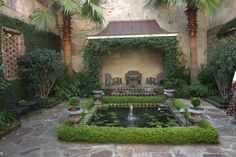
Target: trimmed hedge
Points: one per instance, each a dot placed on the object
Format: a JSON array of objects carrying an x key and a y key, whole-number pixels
[
  {"x": 133, "y": 99},
  {"x": 205, "y": 133}
]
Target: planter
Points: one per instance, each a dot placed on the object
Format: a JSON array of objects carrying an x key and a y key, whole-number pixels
[
  {"x": 75, "y": 116},
  {"x": 196, "y": 112},
  {"x": 98, "y": 94},
  {"x": 169, "y": 92}
]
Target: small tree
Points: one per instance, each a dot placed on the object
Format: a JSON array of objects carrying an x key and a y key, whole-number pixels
[
  {"x": 221, "y": 63},
  {"x": 41, "y": 68}
]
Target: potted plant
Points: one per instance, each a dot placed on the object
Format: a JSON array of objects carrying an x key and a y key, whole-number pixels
[
  {"x": 168, "y": 90},
  {"x": 98, "y": 93},
  {"x": 74, "y": 111},
  {"x": 196, "y": 109}
]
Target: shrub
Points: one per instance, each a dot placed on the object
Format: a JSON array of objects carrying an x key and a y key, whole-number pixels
[
  {"x": 133, "y": 99},
  {"x": 88, "y": 104},
  {"x": 197, "y": 90},
  {"x": 179, "y": 105},
  {"x": 41, "y": 68},
  {"x": 221, "y": 64},
  {"x": 67, "y": 87},
  {"x": 196, "y": 102},
  {"x": 74, "y": 102},
  {"x": 5, "y": 119},
  {"x": 176, "y": 135}
]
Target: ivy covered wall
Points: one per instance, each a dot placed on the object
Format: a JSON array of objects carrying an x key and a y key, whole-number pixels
[
  {"x": 95, "y": 49},
  {"x": 33, "y": 40}
]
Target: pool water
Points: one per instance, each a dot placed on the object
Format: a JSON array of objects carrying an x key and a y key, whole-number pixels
[{"x": 142, "y": 117}]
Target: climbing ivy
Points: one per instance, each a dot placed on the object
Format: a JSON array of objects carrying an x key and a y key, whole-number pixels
[
  {"x": 95, "y": 49},
  {"x": 227, "y": 28}
]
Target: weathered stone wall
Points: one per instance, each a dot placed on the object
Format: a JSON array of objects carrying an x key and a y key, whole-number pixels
[{"x": 148, "y": 62}]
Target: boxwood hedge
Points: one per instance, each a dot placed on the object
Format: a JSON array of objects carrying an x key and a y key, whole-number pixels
[
  {"x": 133, "y": 99},
  {"x": 205, "y": 133}
]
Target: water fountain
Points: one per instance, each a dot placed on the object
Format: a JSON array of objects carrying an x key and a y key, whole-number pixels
[{"x": 131, "y": 116}]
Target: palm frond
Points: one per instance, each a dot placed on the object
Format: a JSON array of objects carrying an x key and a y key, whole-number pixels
[
  {"x": 209, "y": 6},
  {"x": 68, "y": 6},
  {"x": 92, "y": 10},
  {"x": 43, "y": 19}
]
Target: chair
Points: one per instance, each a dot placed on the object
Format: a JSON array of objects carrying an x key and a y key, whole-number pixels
[
  {"x": 108, "y": 80},
  {"x": 160, "y": 79}
]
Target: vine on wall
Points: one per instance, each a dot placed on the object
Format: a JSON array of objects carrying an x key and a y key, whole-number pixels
[{"x": 95, "y": 49}]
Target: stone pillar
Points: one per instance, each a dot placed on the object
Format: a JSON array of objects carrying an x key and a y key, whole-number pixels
[{"x": 232, "y": 107}]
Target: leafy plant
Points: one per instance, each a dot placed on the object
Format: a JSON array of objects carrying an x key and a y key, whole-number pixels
[
  {"x": 88, "y": 104},
  {"x": 41, "y": 68},
  {"x": 221, "y": 64},
  {"x": 5, "y": 119},
  {"x": 133, "y": 99},
  {"x": 196, "y": 102},
  {"x": 205, "y": 133},
  {"x": 67, "y": 87},
  {"x": 74, "y": 102}
]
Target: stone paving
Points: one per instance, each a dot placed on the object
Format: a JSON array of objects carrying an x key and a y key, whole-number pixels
[{"x": 37, "y": 138}]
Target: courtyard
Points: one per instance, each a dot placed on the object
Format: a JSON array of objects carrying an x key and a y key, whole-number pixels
[
  {"x": 105, "y": 78},
  {"x": 38, "y": 137}
]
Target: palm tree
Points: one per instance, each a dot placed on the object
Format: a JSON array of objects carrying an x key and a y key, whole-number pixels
[
  {"x": 191, "y": 11},
  {"x": 1, "y": 3},
  {"x": 44, "y": 19}
]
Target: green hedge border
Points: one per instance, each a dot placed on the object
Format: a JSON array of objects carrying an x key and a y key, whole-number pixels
[
  {"x": 204, "y": 134},
  {"x": 133, "y": 99}
]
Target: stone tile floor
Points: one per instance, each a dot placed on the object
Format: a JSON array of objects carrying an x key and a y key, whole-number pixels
[{"x": 37, "y": 138}]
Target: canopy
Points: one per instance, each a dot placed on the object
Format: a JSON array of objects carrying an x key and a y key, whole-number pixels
[{"x": 132, "y": 29}]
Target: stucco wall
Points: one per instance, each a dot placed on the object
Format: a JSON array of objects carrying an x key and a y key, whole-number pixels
[
  {"x": 21, "y": 9},
  {"x": 171, "y": 19},
  {"x": 148, "y": 62}
]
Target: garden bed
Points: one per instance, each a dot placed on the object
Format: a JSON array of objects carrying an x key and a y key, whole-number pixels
[
  {"x": 133, "y": 99},
  {"x": 204, "y": 133}
]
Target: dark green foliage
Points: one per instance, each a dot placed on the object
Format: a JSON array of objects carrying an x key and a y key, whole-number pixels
[
  {"x": 221, "y": 64},
  {"x": 223, "y": 103},
  {"x": 51, "y": 102},
  {"x": 41, "y": 68},
  {"x": 88, "y": 104},
  {"x": 206, "y": 78},
  {"x": 33, "y": 40},
  {"x": 204, "y": 134},
  {"x": 67, "y": 87},
  {"x": 5, "y": 120},
  {"x": 78, "y": 85},
  {"x": 227, "y": 28},
  {"x": 133, "y": 99},
  {"x": 196, "y": 102},
  {"x": 95, "y": 49},
  {"x": 196, "y": 90},
  {"x": 1, "y": 3},
  {"x": 74, "y": 101}
]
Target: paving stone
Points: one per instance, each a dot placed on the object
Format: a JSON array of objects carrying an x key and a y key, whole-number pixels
[
  {"x": 104, "y": 153},
  {"x": 30, "y": 151},
  {"x": 37, "y": 138},
  {"x": 162, "y": 155}
]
